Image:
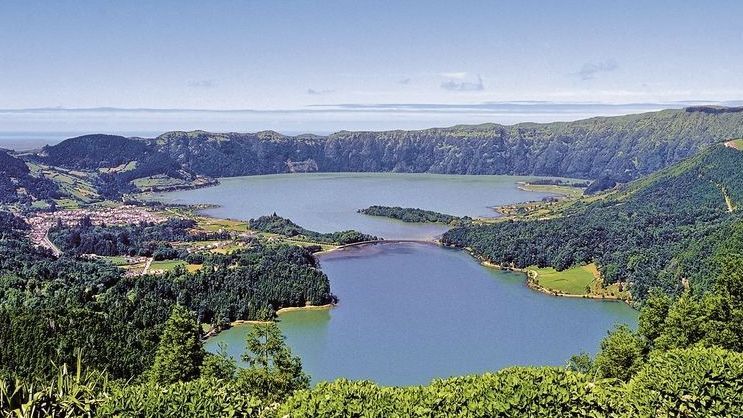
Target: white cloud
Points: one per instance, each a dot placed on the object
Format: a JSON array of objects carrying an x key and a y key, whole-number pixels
[
  {"x": 314, "y": 92},
  {"x": 454, "y": 85},
  {"x": 459, "y": 75},
  {"x": 590, "y": 69}
]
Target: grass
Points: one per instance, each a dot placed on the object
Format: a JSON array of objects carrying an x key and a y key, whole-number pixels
[
  {"x": 131, "y": 165},
  {"x": 117, "y": 260},
  {"x": 67, "y": 204},
  {"x": 214, "y": 225},
  {"x": 193, "y": 267},
  {"x": 736, "y": 143},
  {"x": 573, "y": 281},
  {"x": 228, "y": 248},
  {"x": 580, "y": 281},
  {"x": 568, "y": 191},
  {"x": 166, "y": 265},
  {"x": 74, "y": 183},
  {"x": 159, "y": 180}
]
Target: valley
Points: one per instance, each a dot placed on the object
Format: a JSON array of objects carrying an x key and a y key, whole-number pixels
[{"x": 402, "y": 269}]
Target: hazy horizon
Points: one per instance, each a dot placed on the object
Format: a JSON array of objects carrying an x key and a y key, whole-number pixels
[
  {"x": 319, "y": 67},
  {"x": 52, "y": 125}
]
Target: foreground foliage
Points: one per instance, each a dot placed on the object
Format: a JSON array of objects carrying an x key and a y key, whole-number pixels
[{"x": 692, "y": 382}]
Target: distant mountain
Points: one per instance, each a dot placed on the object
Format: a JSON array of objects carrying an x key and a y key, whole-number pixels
[
  {"x": 667, "y": 230},
  {"x": 614, "y": 149},
  {"x": 621, "y": 148},
  {"x": 94, "y": 151}
]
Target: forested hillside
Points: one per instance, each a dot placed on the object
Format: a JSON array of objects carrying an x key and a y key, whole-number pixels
[
  {"x": 413, "y": 215},
  {"x": 620, "y": 148},
  {"x": 18, "y": 185},
  {"x": 50, "y": 307},
  {"x": 661, "y": 231},
  {"x": 113, "y": 161}
]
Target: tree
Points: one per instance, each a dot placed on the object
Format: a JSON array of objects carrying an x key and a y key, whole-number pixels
[
  {"x": 653, "y": 315},
  {"x": 621, "y": 354},
  {"x": 273, "y": 372},
  {"x": 219, "y": 366},
  {"x": 180, "y": 353},
  {"x": 684, "y": 324},
  {"x": 580, "y": 363}
]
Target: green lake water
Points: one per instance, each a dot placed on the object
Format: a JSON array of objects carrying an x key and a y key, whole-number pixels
[{"x": 410, "y": 312}]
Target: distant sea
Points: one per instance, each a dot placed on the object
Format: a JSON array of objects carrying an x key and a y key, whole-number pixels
[{"x": 25, "y": 141}]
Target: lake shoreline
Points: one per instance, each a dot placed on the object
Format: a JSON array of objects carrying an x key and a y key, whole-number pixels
[
  {"x": 216, "y": 330},
  {"x": 532, "y": 283},
  {"x": 530, "y": 275}
]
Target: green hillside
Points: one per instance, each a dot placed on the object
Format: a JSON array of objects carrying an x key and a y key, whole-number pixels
[
  {"x": 654, "y": 232},
  {"x": 620, "y": 148},
  {"x": 19, "y": 185}
]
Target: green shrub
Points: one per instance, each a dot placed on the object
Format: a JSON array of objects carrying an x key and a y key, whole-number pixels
[
  {"x": 70, "y": 394},
  {"x": 341, "y": 399},
  {"x": 691, "y": 382},
  {"x": 196, "y": 398},
  {"x": 518, "y": 391}
]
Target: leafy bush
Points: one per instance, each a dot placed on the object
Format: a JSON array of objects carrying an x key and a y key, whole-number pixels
[
  {"x": 518, "y": 391},
  {"x": 70, "y": 394},
  {"x": 692, "y": 382},
  {"x": 197, "y": 398}
]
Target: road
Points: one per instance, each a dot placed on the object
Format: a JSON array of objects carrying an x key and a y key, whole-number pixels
[{"x": 46, "y": 242}]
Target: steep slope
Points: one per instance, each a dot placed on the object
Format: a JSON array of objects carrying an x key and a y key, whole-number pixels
[
  {"x": 114, "y": 162},
  {"x": 610, "y": 148},
  {"x": 654, "y": 232},
  {"x": 622, "y": 148}
]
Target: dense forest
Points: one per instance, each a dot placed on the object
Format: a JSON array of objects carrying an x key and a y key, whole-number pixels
[
  {"x": 113, "y": 160},
  {"x": 277, "y": 225},
  {"x": 621, "y": 148},
  {"x": 143, "y": 239},
  {"x": 51, "y": 307},
  {"x": 17, "y": 185},
  {"x": 413, "y": 215},
  {"x": 660, "y": 231},
  {"x": 684, "y": 360}
]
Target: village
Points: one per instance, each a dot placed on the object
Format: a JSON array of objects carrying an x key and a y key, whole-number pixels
[{"x": 41, "y": 222}]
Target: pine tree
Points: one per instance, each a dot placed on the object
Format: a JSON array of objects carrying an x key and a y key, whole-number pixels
[
  {"x": 180, "y": 352},
  {"x": 274, "y": 373}
]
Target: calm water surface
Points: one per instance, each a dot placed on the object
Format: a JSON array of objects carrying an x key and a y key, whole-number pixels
[
  {"x": 410, "y": 312},
  {"x": 328, "y": 202}
]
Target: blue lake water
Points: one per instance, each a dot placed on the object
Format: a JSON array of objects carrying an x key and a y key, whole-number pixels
[{"x": 410, "y": 312}]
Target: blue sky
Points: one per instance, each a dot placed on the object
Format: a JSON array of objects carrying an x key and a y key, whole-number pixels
[{"x": 299, "y": 60}]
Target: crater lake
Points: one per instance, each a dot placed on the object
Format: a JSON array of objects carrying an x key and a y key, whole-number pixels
[{"x": 409, "y": 312}]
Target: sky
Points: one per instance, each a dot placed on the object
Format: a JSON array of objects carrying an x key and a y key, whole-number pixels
[{"x": 306, "y": 66}]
